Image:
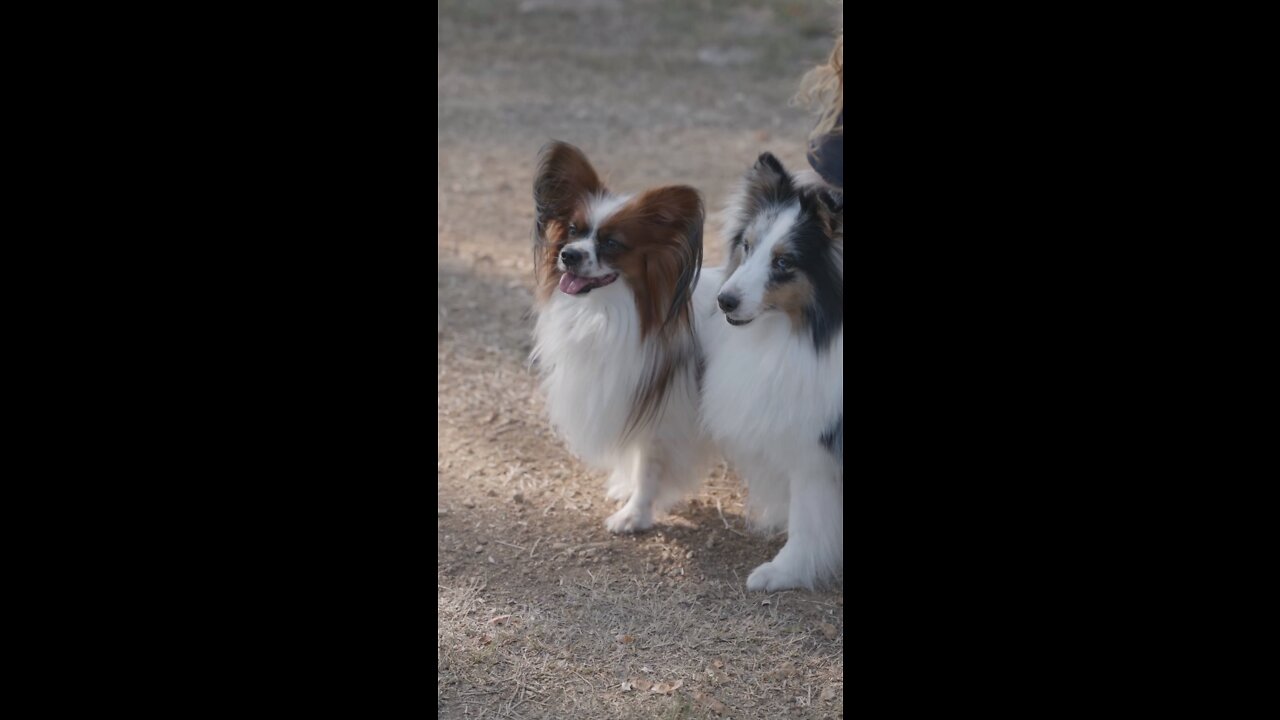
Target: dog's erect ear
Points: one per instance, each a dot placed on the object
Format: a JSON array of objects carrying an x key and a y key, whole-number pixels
[
  {"x": 828, "y": 205},
  {"x": 834, "y": 200},
  {"x": 678, "y": 206},
  {"x": 767, "y": 163},
  {"x": 563, "y": 178},
  {"x": 768, "y": 181},
  {"x": 664, "y": 229},
  {"x": 678, "y": 209},
  {"x": 822, "y": 200}
]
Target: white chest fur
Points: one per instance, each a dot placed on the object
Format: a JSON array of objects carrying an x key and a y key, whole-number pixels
[
  {"x": 766, "y": 390},
  {"x": 591, "y": 359}
]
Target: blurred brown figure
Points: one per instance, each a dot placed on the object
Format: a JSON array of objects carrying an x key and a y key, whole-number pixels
[{"x": 822, "y": 88}]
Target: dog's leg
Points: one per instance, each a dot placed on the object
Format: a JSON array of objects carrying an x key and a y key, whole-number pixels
[
  {"x": 621, "y": 485},
  {"x": 637, "y": 513},
  {"x": 815, "y": 537}
]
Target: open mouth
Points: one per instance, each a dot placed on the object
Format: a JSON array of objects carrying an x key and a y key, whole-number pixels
[
  {"x": 571, "y": 284},
  {"x": 737, "y": 322}
]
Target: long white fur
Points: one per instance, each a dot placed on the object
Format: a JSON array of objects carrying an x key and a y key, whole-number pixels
[
  {"x": 593, "y": 361},
  {"x": 767, "y": 397}
]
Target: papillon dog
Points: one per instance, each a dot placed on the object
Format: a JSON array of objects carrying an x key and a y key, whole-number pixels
[
  {"x": 614, "y": 338},
  {"x": 771, "y": 327}
]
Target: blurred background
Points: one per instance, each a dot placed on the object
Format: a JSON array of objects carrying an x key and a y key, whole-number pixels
[
  {"x": 542, "y": 613},
  {"x": 655, "y": 92}
]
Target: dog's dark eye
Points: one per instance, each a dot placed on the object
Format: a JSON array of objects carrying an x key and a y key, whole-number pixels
[
  {"x": 782, "y": 263},
  {"x": 611, "y": 243},
  {"x": 573, "y": 230}
]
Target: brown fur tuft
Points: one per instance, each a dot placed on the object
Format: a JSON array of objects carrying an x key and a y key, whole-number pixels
[{"x": 661, "y": 231}]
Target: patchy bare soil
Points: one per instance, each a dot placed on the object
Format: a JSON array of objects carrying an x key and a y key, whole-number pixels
[{"x": 541, "y": 612}]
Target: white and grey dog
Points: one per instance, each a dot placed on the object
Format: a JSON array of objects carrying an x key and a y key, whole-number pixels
[{"x": 771, "y": 328}]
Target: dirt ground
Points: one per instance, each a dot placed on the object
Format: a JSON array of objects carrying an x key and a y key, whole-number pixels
[{"x": 541, "y": 612}]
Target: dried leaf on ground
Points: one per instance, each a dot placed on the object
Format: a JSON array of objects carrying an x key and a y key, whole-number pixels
[
  {"x": 709, "y": 702},
  {"x": 667, "y": 688}
]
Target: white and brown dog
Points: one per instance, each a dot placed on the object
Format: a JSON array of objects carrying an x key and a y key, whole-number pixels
[{"x": 614, "y": 339}]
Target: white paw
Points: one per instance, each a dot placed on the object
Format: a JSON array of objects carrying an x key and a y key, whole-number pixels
[
  {"x": 629, "y": 520},
  {"x": 618, "y": 492},
  {"x": 775, "y": 576}
]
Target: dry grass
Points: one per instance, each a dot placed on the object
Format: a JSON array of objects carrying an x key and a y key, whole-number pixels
[
  {"x": 541, "y": 612},
  {"x": 603, "y": 644}
]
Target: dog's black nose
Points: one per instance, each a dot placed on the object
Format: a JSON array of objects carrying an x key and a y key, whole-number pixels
[
  {"x": 571, "y": 257},
  {"x": 728, "y": 303}
]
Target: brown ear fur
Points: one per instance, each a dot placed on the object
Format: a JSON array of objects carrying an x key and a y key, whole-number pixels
[
  {"x": 662, "y": 229},
  {"x": 564, "y": 179},
  {"x": 663, "y": 232}
]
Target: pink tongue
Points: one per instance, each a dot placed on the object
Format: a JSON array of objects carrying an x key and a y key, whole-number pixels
[{"x": 572, "y": 284}]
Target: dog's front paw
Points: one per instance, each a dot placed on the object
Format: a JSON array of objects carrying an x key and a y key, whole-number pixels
[
  {"x": 775, "y": 576},
  {"x": 629, "y": 519}
]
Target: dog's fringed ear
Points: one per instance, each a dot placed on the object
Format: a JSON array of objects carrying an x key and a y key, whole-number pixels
[
  {"x": 676, "y": 215},
  {"x": 670, "y": 266},
  {"x": 564, "y": 177},
  {"x": 688, "y": 217}
]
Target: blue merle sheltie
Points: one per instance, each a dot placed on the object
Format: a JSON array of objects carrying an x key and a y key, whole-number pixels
[{"x": 771, "y": 326}]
